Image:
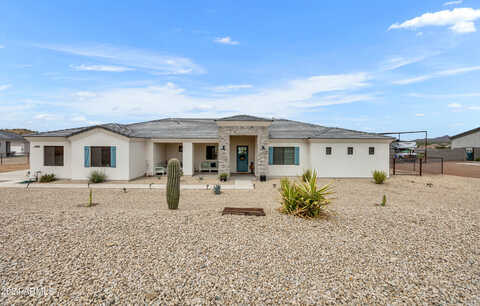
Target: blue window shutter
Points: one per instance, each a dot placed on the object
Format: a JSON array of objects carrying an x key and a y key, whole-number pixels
[
  {"x": 87, "y": 157},
  {"x": 297, "y": 156},
  {"x": 270, "y": 155},
  {"x": 113, "y": 157}
]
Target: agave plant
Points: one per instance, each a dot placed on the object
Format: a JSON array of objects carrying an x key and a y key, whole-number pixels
[{"x": 305, "y": 199}]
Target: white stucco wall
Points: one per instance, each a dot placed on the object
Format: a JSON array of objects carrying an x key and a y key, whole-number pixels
[
  {"x": 138, "y": 158},
  {"x": 291, "y": 170},
  {"x": 467, "y": 141},
  {"x": 100, "y": 137},
  {"x": 36, "y": 157},
  {"x": 339, "y": 164},
  {"x": 187, "y": 158}
]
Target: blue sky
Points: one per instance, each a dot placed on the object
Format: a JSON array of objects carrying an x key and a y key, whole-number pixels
[{"x": 369, "y": 65}]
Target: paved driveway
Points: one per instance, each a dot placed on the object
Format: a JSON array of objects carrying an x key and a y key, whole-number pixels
[{"x": 13, "y": 175}]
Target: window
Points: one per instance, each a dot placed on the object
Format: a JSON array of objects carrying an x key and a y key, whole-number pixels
[
  {"x": 100, "y": 156},
  {"x": 328, "y": 151},
  {"x": 53, "y": 156},
  {"x": 212, "y": 153},
  {"x": 283, "y": 156},
  {"x": 371, "y": 150},
  {"x": 180, "y": 148},
  {"x": 350, "y": 150}
]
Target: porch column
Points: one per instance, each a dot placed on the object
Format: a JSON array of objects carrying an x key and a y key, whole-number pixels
[
  {"x": 224, "y": 152},
  {"x": 149, "y": 157},
  {"x": 187, "y": 158}
]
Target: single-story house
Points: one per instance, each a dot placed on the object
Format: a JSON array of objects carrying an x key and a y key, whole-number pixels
[
  {"x": 13, "y": 144},
  {"x": 237, "y": 144},
  {"x": 470, "y": 141}
]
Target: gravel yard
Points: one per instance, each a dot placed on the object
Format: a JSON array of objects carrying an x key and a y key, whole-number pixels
[{"x": 423, "y": 247}]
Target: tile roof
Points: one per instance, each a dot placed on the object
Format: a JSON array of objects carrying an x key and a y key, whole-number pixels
[
  {"x": 9, "y": 136},
  {"x": 243, "y": 118},
  {"x": 182, "y": 128}
]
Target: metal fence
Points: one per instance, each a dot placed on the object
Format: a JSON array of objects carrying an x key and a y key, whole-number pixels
[{"x": 416, "y": 166}]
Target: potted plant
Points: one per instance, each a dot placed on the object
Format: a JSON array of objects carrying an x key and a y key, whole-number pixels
[{"x": 223, "y": 177}]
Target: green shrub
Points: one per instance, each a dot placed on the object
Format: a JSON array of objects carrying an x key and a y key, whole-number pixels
[
  {"x": 477, "y": 159},
  {"x": 47, "y": 178},
  {"x": 304, "y": 199},
  {"x": 307, "y": 175},
  {"x": 379, "y": 176},
  {"x": 97, "y": 177}
]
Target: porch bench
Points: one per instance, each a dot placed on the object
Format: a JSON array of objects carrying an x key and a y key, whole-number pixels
[{"x": 209, "y": 166}]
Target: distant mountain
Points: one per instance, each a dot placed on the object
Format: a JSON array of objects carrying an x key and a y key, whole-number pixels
[
  {"x": 19, "y": 131},
  {"x": 442, "y": 142}
]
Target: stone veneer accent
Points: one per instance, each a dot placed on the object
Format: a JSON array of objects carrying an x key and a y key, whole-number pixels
[{"x": 261, "y": 156}]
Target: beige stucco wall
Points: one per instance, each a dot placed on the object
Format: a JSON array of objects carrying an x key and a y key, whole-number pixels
[{"x": 200, "y": 153}]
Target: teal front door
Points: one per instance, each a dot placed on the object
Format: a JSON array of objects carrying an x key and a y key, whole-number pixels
[{"x": 242, "y": 158}]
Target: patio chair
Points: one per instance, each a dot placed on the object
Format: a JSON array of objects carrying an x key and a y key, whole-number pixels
[{"x": 160, "y": 169}]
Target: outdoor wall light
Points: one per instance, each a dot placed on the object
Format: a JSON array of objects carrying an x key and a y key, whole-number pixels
[
  {"x": 263, "y": 148},
  {"x": 223, "y": 148}
]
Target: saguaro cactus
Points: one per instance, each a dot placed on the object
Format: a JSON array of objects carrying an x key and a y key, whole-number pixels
[{"x": 173, "y": 183}]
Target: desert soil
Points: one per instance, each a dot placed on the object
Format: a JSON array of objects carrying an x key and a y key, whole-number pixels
[{"x": 422, "y": 247}]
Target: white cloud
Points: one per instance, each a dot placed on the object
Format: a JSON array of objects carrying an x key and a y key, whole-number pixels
[
  {"x": 453, "y": 2},
  {"x": 84, "y": 94},
  {"x": 2, "y": 46},
  {"x": 474, "y": 107},
  {"x": 84, "y": 120},
  {"x": 171, "y": 100},
  {"x": 104, "y": 68},
  {"x": 45, "y": 116},
  {"x": 455, "y": 105},
  {"x": 445, "y": 96},
  {"x": 438, "y": 74},
  {"x": 226, "y": 88},
  {"x": 397, "y": 62},
  {"x": 419, "y": 115},
  {"x": 4, "y": 87},
  {"x": 131, "y": 57},
  {"x": 226, "y": 40},
  {"x": 460, "y": 20},
  {"x": 419, "y": 34}
]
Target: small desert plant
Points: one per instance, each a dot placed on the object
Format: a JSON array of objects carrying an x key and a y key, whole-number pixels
[
  {"x": 47, "y": 178},
  {"x": 223, "y": 177},
  {"x": 384, "y": 201},
  {"x": 379, "y": 176},
  {"x": 217, "y": 189},
  {"x": 97, "y": 177},
  {"x": 90, "y": 199},
  {"x": 173, "y": 183},
  {"x": 307, "y": 175},
  {"x": 304, "y": 199}
]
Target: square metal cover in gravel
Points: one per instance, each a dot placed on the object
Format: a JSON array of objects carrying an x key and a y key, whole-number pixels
[{"x": 243, "y": 211}]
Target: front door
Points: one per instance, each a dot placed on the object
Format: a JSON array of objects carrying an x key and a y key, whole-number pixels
[{"x": 242, "y": 158}]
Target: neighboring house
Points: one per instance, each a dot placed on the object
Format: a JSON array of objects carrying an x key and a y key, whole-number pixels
[
  {"x": 272, "y": 147},
  {"x": 470, "y": 141},
  {"x": 13, "y": 144}
]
